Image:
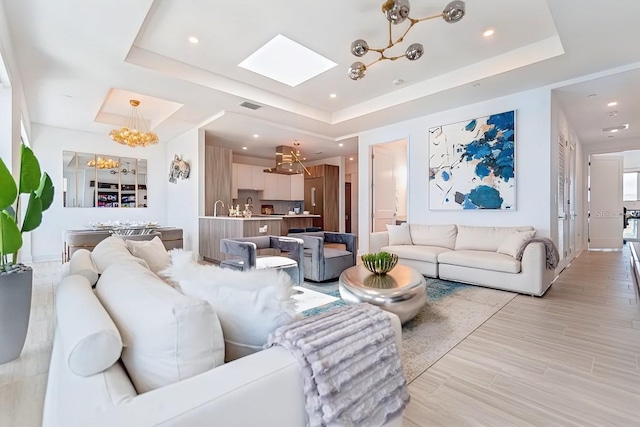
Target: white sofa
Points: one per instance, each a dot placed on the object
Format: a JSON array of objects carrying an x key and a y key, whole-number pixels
[
  {"x": 469, "y": 254},
  {"x": 91, "y": 384}
]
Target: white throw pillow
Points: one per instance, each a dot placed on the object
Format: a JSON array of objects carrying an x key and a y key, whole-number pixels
[
  {"x": 399, "y": 234},
  {"x": 113, "y": 250},
  {"x": 82, "y": 264},
  {"x": 90, "y": 339},
  {"x": 152, "y": 251},
  {"x": 514, "y": 242},
  {"x": 250, "y": 304},
  {"x": 167, "y": 336}
]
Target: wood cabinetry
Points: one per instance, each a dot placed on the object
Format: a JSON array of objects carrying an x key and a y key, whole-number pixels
[
  {"x": 249, "y": 177},
  {"x": 321, "y": 189},
  {"x": 276, "y": 187},
  {"x": 217, "y": 178},
  {"x": 214, "y": 229},
  {"x": 297, "y": 187}
]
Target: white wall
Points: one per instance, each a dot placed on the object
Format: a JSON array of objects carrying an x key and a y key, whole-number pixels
[
  {"x": 533, "y": 170},
  {"x": 48, "y": 144},
  {"x": 185, "y": 199}
]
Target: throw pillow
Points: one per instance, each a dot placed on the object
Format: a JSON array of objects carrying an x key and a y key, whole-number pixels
[
  {"x": 399, "y": 234},
  {"x": 152, "y": 251},
  {"x": 112, "y": 251},
  {"x": 167, "y": 336},
  {"x": 512, "y": 244},
  {"x": 250, "y": 304}
]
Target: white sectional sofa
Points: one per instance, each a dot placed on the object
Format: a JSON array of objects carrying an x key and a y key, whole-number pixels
[
  {"x": 483, "y": 256},
  {"x": 138, "y": 352}
]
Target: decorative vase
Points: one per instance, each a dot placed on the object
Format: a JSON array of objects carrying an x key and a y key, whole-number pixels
[
  {"x": 378, "y": 264},
  {"x": 15, "y": 307}
]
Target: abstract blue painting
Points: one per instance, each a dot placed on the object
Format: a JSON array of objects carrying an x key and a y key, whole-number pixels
[{"x": 472, "y": 164}]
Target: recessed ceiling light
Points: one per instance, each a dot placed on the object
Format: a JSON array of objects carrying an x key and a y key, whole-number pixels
[
  {"x": 304, "y": 158},
  {"x": 286, "y": 61},
  {"x": 193, "y": 40},
  {"x": 489, "y": 32},
  {"x": 255, "y": 135},
  {"x": 341, "y": 145},
  {"x": 350, "y": 158},
  {"x": 244, "y": 148},
  {"x": 614, "y": 130},
  {"x": 332, "y": 95},
  {"x": 612, "y": 104}
]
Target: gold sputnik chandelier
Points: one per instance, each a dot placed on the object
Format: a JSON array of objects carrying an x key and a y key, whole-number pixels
[
  {"x": 134, "y": 132},
  {"x": 101, "y": 163},
  {"x": 396, "y": 12}
]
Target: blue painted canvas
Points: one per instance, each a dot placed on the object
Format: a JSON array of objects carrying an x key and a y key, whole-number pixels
[{"x": 472, "y": 164}]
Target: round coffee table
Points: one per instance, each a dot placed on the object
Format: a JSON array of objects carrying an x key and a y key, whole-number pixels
[{"x": 402, "y": 291}]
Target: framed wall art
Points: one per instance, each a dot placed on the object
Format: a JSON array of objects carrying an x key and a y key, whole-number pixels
[{"x": 472, "y": 164}]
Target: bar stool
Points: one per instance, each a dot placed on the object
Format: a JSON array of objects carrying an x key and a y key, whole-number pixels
[
  {"x": 313, "y": 229},
  {"x": 296, "y": 230}
]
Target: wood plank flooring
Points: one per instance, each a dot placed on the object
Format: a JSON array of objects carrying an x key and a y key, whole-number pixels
[{"x": 569, "y": 358}]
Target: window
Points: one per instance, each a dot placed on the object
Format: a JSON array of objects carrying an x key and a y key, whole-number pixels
[{"x": 630, "y": 186}]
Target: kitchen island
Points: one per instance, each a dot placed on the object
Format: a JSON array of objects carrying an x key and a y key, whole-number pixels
[{"x": 215, "y": 228}]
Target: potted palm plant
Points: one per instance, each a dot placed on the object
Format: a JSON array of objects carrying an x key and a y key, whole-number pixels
[{"x": 16, "y": 280}]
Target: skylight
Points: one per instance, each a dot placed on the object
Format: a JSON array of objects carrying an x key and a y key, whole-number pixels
[{"x": 286, "y": 61}]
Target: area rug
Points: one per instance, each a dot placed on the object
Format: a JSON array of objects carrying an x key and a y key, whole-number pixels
[{"x": 453, "y": 311}]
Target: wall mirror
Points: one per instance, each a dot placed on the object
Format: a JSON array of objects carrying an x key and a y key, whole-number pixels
[{"x": 103, "y": 181}]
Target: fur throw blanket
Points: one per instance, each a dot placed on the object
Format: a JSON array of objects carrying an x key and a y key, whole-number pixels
[
  {"x": 553, "y": 257},
  {"x": 350, "y": 364}
]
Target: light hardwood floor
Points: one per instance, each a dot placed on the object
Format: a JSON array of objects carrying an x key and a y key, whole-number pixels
[{"x": 570, "y": 358}]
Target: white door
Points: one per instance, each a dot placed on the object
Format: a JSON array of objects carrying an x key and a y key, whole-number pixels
[
  {"x": 605, "y": 206},
  {"x": 562, "y": 202},
  {"x": 383, "y": 186}
]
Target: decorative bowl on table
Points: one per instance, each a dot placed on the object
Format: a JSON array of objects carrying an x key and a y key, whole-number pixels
[{"x": 379, "y": 263}]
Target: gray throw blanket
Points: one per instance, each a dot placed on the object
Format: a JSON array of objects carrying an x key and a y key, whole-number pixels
[
  {"x": 350, "y": 364},
  {"x": 553, "y": 257}
]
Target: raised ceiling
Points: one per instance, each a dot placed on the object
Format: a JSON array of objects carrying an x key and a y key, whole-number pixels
[{"x": 73, "y": 54}]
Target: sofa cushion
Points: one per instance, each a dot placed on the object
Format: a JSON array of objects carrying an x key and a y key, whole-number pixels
[
  {"x": 152, "y": 251},
  {"x": 484, "y": 238},
  {"x": 335, "y": 253},
  {"x": 416, "y": 253},
  {"x": 112, "y": 250},
  {"x": 443, "y": 236},
  {"x": 399, "y": 234},
  {"x": 250, "y": 304},
  {"x": 512, "y": 244},
  {"x": 167, "y": 336},
  {"x": 90, "y": 339},
  {"x": 480, "y": 259},
  {"x": 82, "y": 265}
]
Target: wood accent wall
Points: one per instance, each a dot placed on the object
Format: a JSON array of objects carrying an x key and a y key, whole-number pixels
[{"x": 217, "y": 178}]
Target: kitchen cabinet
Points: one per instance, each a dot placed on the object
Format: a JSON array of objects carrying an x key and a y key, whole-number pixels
[
  {"x": 297, "y": 187},
  {"x": 218, "y": 177},
  {"x": 234, "y": 181},
  {"x": 321, "y": 192},
  {"x": 276, "y": 187},
  {"x": 249, "y": 177}
]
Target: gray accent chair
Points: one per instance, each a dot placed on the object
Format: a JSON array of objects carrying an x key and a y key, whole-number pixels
[
  {"x": 323, "y": 263},
  {"x": 246, "y": 249}
]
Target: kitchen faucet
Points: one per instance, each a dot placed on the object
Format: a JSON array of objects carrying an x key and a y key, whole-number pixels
[{"x": 215, "y": 207}]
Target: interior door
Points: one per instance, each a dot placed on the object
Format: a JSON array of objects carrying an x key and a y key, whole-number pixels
[
  {"x": 562, "y": 202},
  {"x": 605, "y": 206},
  {"x": 383, "y": 185},
  {"x": 571, "y": 202}
]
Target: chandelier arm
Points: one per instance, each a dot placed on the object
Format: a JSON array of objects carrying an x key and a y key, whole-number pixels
[
  {"x": 399, "y": 40},
  {"x": 390, "y": 37},
  {"x": 427, "y": 18}
]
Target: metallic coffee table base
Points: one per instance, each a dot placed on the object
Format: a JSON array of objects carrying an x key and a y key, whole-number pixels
[{"x": 402, "y": 291}]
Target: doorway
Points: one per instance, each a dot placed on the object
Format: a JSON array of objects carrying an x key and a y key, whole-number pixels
[
  {"x": 606, "y": 218},
  {"x": 388, "y": 184},
  {"x": 347, "y": 207}
]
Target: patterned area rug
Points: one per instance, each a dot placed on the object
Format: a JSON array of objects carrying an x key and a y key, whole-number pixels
[{"x": 452, "y": 312}]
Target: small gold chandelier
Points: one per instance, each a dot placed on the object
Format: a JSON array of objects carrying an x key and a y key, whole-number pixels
[
  {"x": 134, "y": 133},
  {"x": 396, "y": 12},
  {"x": 101, "y": 163}
]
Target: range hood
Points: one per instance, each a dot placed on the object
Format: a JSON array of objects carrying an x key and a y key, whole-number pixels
[{"x": 287, "y": 161}]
